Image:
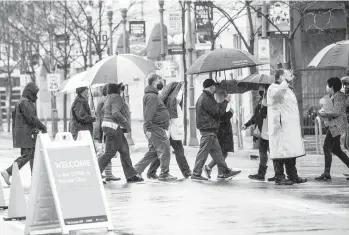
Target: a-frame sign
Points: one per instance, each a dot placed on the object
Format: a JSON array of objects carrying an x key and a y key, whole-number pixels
[{"x": 67, "y": 191}]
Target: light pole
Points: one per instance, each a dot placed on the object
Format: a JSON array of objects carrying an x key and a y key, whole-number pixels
[
  {"x": 54, "y": 112},
  {"x": 127, "y": 97},
  {"x": 162, "y": 39},
  {"x": 193, "y": 140},
  {"x": 110, "y": 23}
]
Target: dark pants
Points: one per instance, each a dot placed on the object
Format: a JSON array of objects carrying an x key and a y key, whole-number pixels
[
  {"x": 290, "y": 165},
  {"x": 116, "y": 142},
  {"x": 213, "y": 163},
  {"x": 182, "y": 162},
  {"x": 333, "y": 145},
  {"x": 159, "y": 148},
  {"x": 209, "y": 145},
  {"x": 263, "y": 151},
  {"x": 27, "y": 154}
]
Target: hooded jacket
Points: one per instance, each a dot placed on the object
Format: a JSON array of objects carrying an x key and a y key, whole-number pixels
[
  {"x": 25, "y": 121},
  {"x": 97, "y": 129},
  {"x": 154, "y": 110}
]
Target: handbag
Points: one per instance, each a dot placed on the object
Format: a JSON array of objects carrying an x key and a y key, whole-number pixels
[{"x": 256, "y": 132}]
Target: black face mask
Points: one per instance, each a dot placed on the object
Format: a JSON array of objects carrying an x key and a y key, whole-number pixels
[
  {"x": 261, "y": 93},
  {"x": 160, "y": 86}
]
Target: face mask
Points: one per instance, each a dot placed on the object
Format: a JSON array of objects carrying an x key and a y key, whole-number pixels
[
  {"x": 328, "y": 90},
  {"x": 261, "y": 93},
  {"x": 159, "y": 86}
]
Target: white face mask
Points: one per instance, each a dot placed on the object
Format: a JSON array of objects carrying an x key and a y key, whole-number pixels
[{"x": 329, "y": 90}]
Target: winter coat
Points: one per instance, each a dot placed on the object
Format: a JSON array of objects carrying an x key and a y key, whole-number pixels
[
  {"x": 24, "y": 119},
  {"x": 117, "y": 111},
  {"x": 154, "y": 110},
  {"x": 225, "y": 133},
  {"x": 81, "y": 118},
  {"x": 337, "y": 118},
  {"x": 97, "y": 129},
  {"x": 284, "y": 129},
  {"x": 208, "y": 112}
]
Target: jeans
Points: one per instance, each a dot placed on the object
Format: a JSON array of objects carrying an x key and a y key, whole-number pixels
[
  {"x": 213, "y": 163},
  {"x": 333, "y": 145},
  {"x": 27, "y": 155},
  {"x": 263, "y": 151},
  {"x": 182, "y": 162},
  {"x": 290, "y": 165},
  {"x": 116, "y": 142},
  {"x": 209, "y": 145},
  {"x": 159, "y": 148}
]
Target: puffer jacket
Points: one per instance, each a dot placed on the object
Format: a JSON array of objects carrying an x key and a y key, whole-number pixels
[
  {"x": 117, "y": 111},
  {"x": 208, "y": 112},
  {"x": 24, "y": 119}
]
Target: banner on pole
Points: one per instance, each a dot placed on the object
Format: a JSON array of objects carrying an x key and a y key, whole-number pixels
[
  {"x": 137, "y": 37},
  {"x": 174, "y": 33},
  {"x": 203, "y": 25}
]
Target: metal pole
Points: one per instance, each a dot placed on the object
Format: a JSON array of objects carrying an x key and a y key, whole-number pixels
[
  {"x": 110, "y": 19},
  {"x": 162, "y": 39},
  {"x": 127, "y": 98},
  {"x": 54, "y": 112},
  {"x": 193, "y": 140}
]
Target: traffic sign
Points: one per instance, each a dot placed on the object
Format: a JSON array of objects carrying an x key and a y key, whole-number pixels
[{"x": 53, "y": 81}]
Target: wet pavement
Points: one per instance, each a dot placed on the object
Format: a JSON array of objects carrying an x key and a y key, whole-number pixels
[{"x": 239, "y": 206}]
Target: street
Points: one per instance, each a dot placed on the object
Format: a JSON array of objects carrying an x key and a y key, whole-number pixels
[{"x": 239, "y": 206}]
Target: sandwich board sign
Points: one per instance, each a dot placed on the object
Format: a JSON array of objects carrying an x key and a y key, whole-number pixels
[{"x": 67, "y": 192}]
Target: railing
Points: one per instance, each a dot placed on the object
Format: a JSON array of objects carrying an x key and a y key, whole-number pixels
[
  {"x": 239, "y": 124},
  {"x": 318, "y": 135}
]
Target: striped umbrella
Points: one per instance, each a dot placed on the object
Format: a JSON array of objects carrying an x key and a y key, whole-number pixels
[
  {"x": 334, "y": 55},
  {"x": 223, "y": 59}
]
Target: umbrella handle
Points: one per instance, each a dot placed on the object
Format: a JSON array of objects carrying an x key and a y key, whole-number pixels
[{"x": 93, "y": 103}]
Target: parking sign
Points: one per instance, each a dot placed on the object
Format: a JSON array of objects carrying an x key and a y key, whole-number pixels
[{"x": 53, "y": 81}]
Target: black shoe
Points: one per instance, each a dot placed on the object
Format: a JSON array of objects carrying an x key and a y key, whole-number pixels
[
  {"x": 198, "y": 177},
  {"x": 231, "y": 174},
  {"x": 167, "y": 177},
  {"x": 187, "y": 175},
  {"x": 207, "y": 171},
  {"x": 153, "y": 177},
  {"x": 257, "y": 177},
  {"x": 112, "y": 178},
  {"x": 324, "y": 177},
  {"x": 283, "y": 181},
  {"x": 299, "y": 180},
  {"x": 134, "y": 179},
  {"x": 272, "y": 179}
]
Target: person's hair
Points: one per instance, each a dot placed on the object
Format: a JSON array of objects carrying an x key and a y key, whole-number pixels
[
  {"x": 335, "y": 83},
  {"x": 105, "y": 90},
  {"x": 114, "y": 88},
  {"x": 278, "y": 74},
  {"x": 153, "y": 77}
]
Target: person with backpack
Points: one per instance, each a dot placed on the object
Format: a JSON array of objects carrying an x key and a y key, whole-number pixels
[{"x": 25, "y": 127}]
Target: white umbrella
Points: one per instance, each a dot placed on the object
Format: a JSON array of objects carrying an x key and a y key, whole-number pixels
[
  {"x": 73, "y": 82},
  {"x": 119, "y": 68}
]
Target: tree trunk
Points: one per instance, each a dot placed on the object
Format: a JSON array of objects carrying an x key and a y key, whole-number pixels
[
  {"x": 185, "y": 78},
  {"x": 1, "y": 123},
  {"x": 346, "y": 12},
  {"x": 8, "y": 103}
]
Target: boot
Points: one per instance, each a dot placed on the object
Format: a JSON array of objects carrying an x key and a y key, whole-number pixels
[
  {"x": 272, "y": 179},
  {"x": 260, "y": 175},
  {"x": 326, "y": 176},
  {"x": 283, "y": 181}
]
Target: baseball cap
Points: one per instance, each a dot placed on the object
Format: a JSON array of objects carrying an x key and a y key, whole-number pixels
[{"x": 209, "y": 82}]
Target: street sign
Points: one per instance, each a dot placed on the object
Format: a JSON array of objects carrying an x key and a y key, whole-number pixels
[
  {"x": 53, "y": 81},
  {"x": 64, "y": 173}
]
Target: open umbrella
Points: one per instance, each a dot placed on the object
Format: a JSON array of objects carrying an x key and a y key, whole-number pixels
[
  {"x": 73, "y": 82},
  {"x": 223, "y": 59},
  {"x": 334, "y": 55},
  {"x": 231, "y": 87},
  {"x": 253, "y": 81},
  {"x": 119, "y": 68}
]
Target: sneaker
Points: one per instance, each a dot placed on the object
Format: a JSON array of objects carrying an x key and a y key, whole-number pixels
[
  {"x": 198, "y": 177},
  {"x": 134, "y": 179},
  {"x": 6, "y": 177},
  {"x": 272, "y": 179},
  {"x": 299, "y": 180},
  {"x": 324, "y": 177},
  {"x": 187, "y": 175},
  {"x": 257, "y": 177},
  {"x": 231, "y": 174},
  {"x": 207, "y": 171},
  {"x": 153, "y": 177},
  {"x": 112, "y": 178},
  {"x": 283, "y": 181},
  {"x": 167, "y": 177}
]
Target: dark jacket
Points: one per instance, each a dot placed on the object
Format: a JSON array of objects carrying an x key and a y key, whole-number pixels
[
  {"x": 208, "y": 112},
  {"x": 117, "y": 111},
  {"x": 169, "y": 97},
  {"x": 225, "y": 133},
  {"x": 81, "y": 118},
  {"x": 25, "y": 121},
  {"x": 154, "y": 110},
  {"x": 97, "y": 130},
  {"x": 260, "y": 112}
]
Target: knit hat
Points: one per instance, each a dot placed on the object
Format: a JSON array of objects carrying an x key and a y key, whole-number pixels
[
  {"x": 81, "y": 89},
  {"x": 209, "y": 82}
]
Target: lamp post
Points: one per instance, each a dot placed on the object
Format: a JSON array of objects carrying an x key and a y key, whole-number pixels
[
  {"x": 110, "y": 23},
  {"x": 127, "y": 97},
  {"x": 162, "y": 39},
  {"x": 54, "y": 112},
  {"x": 193, "y": 140}
]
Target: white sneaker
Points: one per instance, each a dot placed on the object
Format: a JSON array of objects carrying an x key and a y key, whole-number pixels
[{"x": 6, "y": 177}]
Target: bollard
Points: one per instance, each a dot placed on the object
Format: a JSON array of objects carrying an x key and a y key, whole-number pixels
[{"x": 318, "y": 135}]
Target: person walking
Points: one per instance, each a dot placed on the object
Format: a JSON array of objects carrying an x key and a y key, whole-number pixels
[
  {"x": 224, "y": 134},
  {"x": 25, "y": 127},
  {"x": 285, "y": 136},
  {"x": 156, "y": 124},
  {"x": 336, "y": 123},
  {"x": 81, "y": 117},
  {"x": 98, "y": 136},
  {"x": 208, "y": 113},
  {"x": 116, "y": 123},
  {"x": 172, "y": 96}
]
